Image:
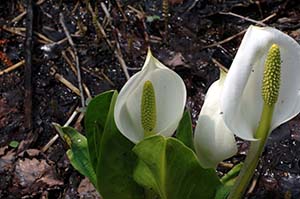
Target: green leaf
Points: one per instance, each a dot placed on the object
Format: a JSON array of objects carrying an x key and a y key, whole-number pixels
[
  {"x": 94, "y": 123},
  {"x": 116, "y": 163},
  {"x": 172, "y": 170},
  {"x": 185, "y": 130},
  {"x": 14, "y": 144},
  {"x": 78, "y": 152},
  {"x": 152, "y": 18}
]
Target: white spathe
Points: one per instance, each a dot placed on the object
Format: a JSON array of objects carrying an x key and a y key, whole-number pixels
[
  {"x": 170, "y": 97},
  {"x": 241, "y": 98},
  {"x": 213, "y": 141}
]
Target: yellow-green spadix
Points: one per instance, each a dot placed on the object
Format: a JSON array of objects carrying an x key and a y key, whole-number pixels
[{"x": 151, "y": 102}]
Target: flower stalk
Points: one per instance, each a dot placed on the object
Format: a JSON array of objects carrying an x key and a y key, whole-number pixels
[
  {"x": 270, "y": 92},
  {"x": 255, "y": 151}
]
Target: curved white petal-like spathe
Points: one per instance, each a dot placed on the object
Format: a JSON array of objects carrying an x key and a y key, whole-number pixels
[
  {"x": 241, "y": 99},
  {"x": 170, "y": 97},
  {"x": 213, "y": 141}
]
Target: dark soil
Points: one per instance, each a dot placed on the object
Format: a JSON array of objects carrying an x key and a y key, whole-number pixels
[{"x": 184, "y": 36}]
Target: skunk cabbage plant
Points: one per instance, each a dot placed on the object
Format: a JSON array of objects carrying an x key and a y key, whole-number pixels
[
  {"x": 151, "y": 102},
  {"x": 260, "y": 91},
  {"x": 234, "y": 104}
]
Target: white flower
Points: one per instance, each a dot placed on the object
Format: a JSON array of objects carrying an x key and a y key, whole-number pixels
[
  {"x": 170, "y": 98},
  {"x": 213, "y": 141},
  {"x": 241, "y": 99}
]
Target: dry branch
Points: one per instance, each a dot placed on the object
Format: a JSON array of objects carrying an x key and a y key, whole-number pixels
[{"x": 62, "y": 22}]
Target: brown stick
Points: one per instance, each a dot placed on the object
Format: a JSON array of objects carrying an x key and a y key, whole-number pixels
[
  {"x": 221, "y": 66},
  {"x": 20, "y": 16},
  {"x": 28, "y": 67},
  {"x": 101, "y": 34},
  {"x": 242, "y": 17},
  {"x": 86, "y": 89},
  {"x": 62, "y": 22},
  {"x": 13, "y": 67},
  {"x": 236, "y": 35},
  {"x": 68, "y": 84}
]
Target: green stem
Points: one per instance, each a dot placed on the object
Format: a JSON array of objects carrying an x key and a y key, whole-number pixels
[
  {"x": 255, "y": 151},
  {"x": 229, "y": 177}
]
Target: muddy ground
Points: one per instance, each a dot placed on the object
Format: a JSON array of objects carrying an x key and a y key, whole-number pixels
[{"x": 192, "y": 37}]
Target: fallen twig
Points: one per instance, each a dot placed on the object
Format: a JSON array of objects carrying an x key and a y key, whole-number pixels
[
  {"x": 75, "y": 72},
  {"x": 20, "y": 31},
  {"x": 252, "y": 186},
  {"x": 141, "y": 16},
  {"x": 236, "y": 35},
  {"x": 119, "y": 55},
  {"x": 14, "y": 30},
  {"x": 98, "y": 76},
  {"x": 121, "y": 10},
  {"x": 106, "y": 12},
  {"x": 65, "y": 82},
  {"x": 219, "y": 65},
  {"x": 99, "y": 29},
  {"x": 225, "y": 40},
  {"x": 61, "y": 20},
  {"x": 20, "y": 16},
  {"x": 12, "y": 67},
  {"x": 192, "y": 6},
  {"x": 101, "y": 33},
  {"x": 28, "y": 66},
  {"x": 242, "y": 17},
  {"x": 226, "y": 165}
]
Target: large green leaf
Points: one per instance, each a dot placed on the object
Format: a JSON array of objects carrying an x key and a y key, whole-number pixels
[
  {"x": 94, "y": 123},
  {"x": 78, "y": 152},
  {"x": 117, "y": 161},
  {"x": 184, "y": 131},
  {"x": 172, "y": 170}
]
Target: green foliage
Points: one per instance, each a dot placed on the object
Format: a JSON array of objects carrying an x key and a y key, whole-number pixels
[
  {"x": 172, "y": 170},
  {"x": 78, "y": 152},
  {"x": 14, "y": 144},
  {"x": 115, "y": 165},
  {"x": 94, "y": 123},
  {"x": 152, "y": 18},
  {"x": 185, "y": 130},
  {"x": 156, "y": 168}
]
